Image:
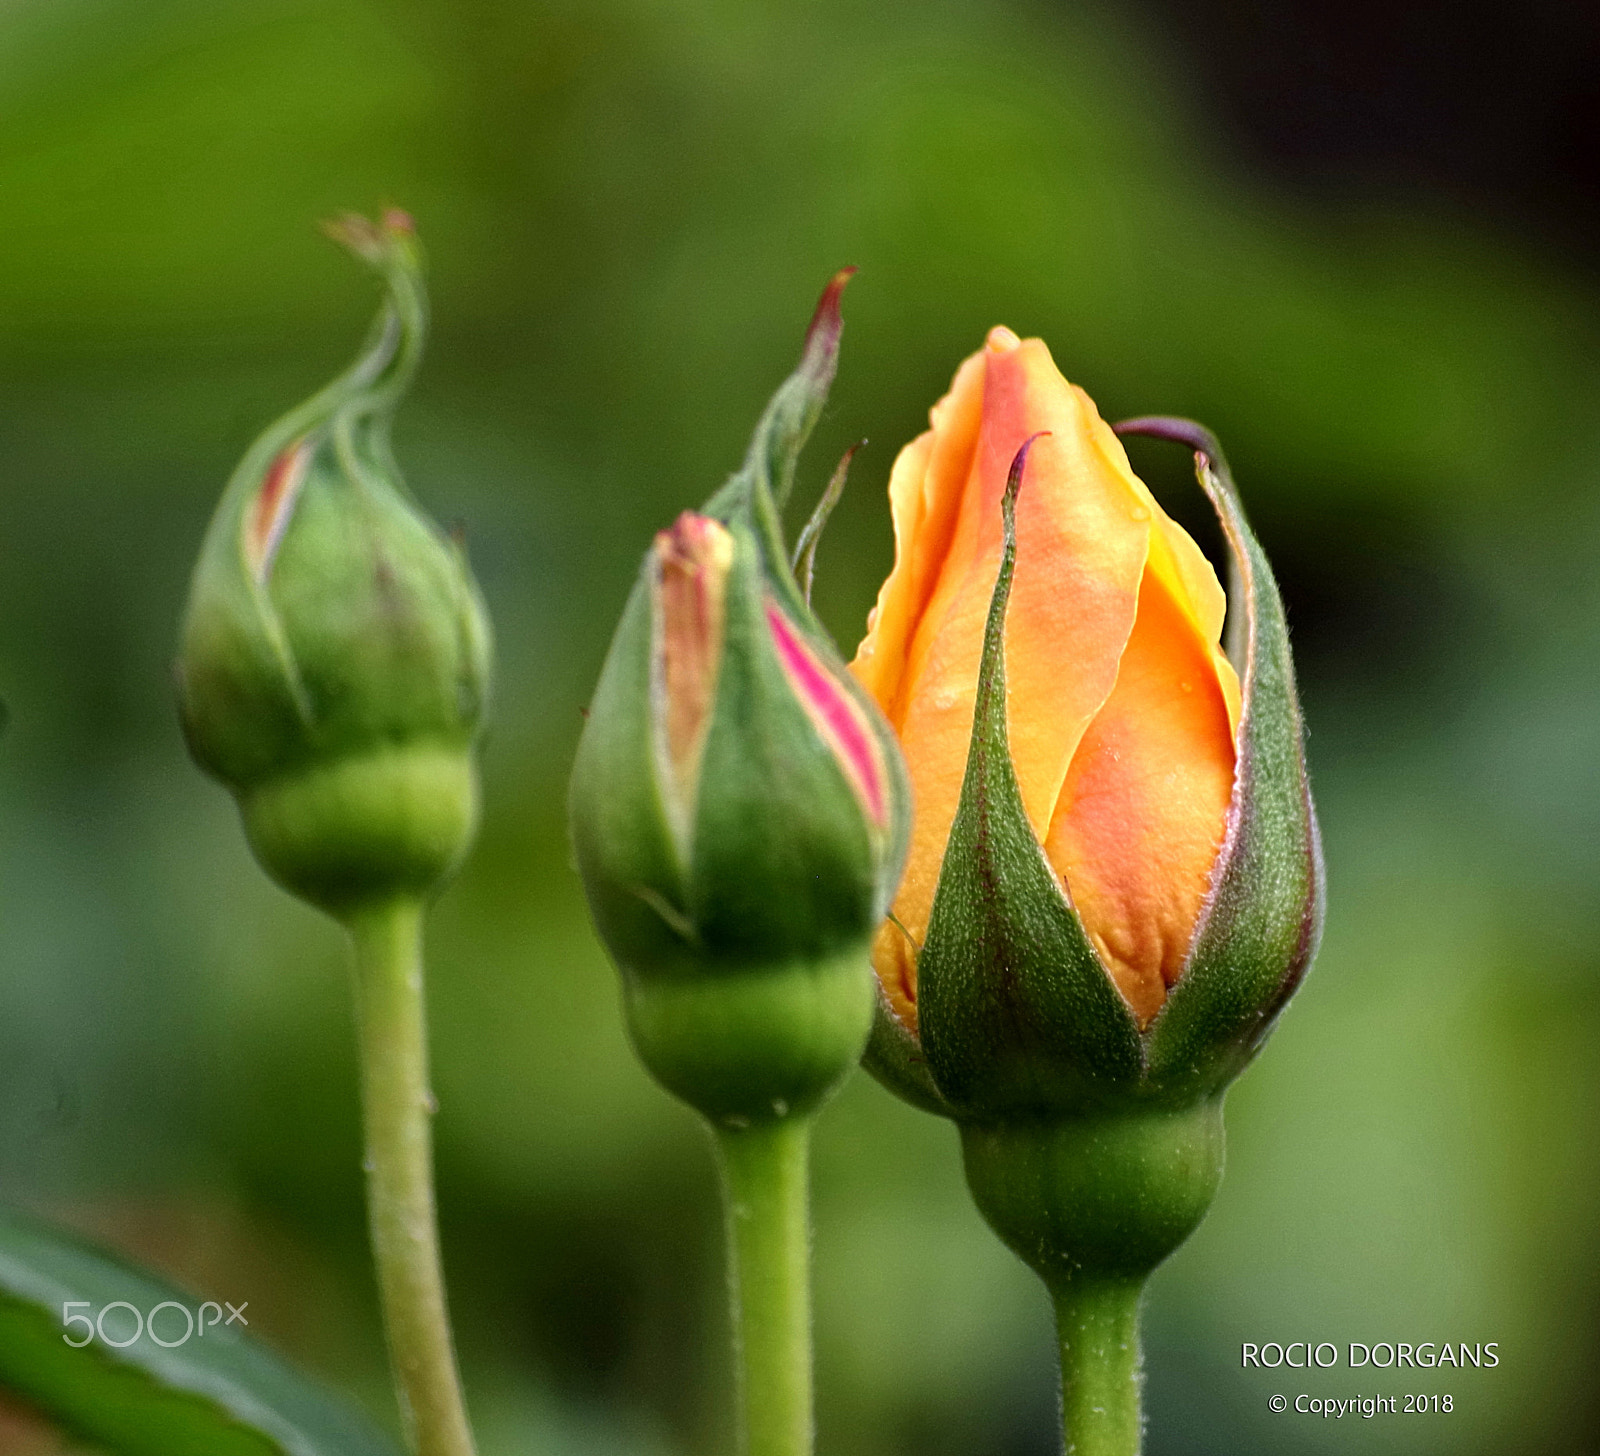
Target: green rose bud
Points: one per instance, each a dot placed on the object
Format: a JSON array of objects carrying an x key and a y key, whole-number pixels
[
  {"x": 738, "y": 806},
  {"x": 335, "y": 652}
]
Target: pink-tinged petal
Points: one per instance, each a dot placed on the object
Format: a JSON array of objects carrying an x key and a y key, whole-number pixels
[
  {"x": 836, "y": 716},
  {"x": 691, "y": 564},
  {"x": 267, "y": 517}
]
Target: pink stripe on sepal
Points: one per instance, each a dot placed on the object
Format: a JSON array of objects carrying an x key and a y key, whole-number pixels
[
  {"x": 692, "y": 559},
  {"x": 268, "y": 515},
  {"x": 837, "y": 717}
]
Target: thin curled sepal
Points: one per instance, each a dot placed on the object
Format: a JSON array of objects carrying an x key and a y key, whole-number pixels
[
  {"x": 758, "y": 490},
  {"x": 1016, "y": 1013},
  {"x": 804, "y": 560},
  {"x": 1262, "y": 919}
]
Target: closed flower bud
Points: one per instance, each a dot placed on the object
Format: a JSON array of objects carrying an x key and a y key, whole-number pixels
[
  {"x": 335, "y": 653},
  {"x": 1114, "y": 881},
  {"x": 738, "y": 805}
]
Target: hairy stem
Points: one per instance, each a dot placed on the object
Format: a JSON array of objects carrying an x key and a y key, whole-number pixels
[
  {"x": 397, "y": 1108},
  {"x": 1102, "y": 1369}
]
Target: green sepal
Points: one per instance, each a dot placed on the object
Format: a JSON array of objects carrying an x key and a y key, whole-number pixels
[
  {"x": 623, "y": 847},
  {"x": 804, "y": 560},
  {"x": 221, "y": 1393},
  {"x": 1259, "y": 928},
  {"x": 757, "y": 492},
  {"x": 1016, "y": 1014},
  {"x": 785, "y": 858},
  {"x": 749, "y": 504},
  {"x": 896, "y": 1058}
]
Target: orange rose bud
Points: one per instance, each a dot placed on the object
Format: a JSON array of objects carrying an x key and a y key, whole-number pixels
[
  {"x": 1114, "y": 882},
  {"x": 1122, "y": 705},
  {"x": 1113, "y": 878}
]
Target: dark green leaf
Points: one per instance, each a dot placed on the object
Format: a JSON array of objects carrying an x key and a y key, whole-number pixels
[{"x": 218, "y": 1392}]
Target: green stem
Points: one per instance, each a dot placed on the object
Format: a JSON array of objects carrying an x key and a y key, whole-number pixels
[
  {"x": 396, "y": 1110},
  {"x": 764, "y": 1172},
  {"x": 1102, "y": 1369}
]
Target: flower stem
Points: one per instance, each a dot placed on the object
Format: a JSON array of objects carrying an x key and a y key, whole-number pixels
[
  {"x": 1102, "y": 1369},
  {"x": 396, "y": 1110},
  {"x": 764, "y": 1176}
]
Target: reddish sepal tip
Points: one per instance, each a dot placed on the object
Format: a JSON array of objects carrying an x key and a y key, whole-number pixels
[{"x": 827, "y": 320}]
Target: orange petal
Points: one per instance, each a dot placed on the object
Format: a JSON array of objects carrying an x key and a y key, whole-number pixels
[
  {"x": 1083, "y": 532},
  {"x": 894, "y": 958},
  {"x": 924, "y": 496},
  {"x": 1181, "y": 567},
  {"x": 1143, "y": 812}
]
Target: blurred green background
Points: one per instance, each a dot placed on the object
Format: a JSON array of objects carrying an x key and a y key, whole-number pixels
[{"x": 630, "y": 208}]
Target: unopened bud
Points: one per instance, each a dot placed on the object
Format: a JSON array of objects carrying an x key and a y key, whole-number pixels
[
  {"x": 335, "y": 652},
  {"x": 739, "y": 806}
]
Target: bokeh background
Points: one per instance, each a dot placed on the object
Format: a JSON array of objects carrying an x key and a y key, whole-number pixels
[{"x": 1357, "y": 240}]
